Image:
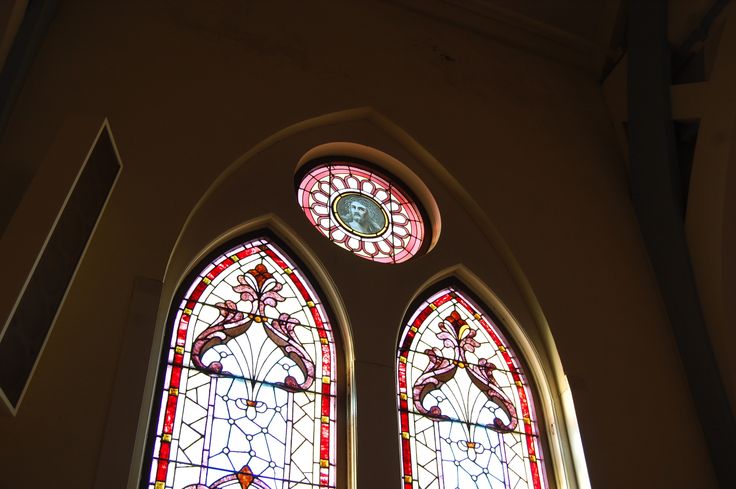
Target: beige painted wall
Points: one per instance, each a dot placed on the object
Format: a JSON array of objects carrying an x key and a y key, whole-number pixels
[{"x": 190, "y": 87}]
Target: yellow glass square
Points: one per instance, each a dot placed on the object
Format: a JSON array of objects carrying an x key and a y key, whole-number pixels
[
  {"x": 407, "y": 478},
  {"x": 405, "y": 435},
  {"x": 325, "y": 419},
  {"x": 324, "y": 463},
  {"x": 288, "y": 271},
  {"x": 160, "y": 485},
  {"x": 234, "y": 258},
  {"x": 403, "y": 396},
  {"x": 325, "y": 380},
  {"x": 206, "y": 280},
  {"x": 174, "y": 391},
  {"x": 166, "y": 437},
  {"x": 433, "y": 307},
  {"x": 179, "y": 350},
  {"x": 310, "y": 304}
]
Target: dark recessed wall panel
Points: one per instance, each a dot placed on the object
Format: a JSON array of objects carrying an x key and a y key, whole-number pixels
[{"x": 39, "y": 303}]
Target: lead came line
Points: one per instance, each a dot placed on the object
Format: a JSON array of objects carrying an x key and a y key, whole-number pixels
[{"x": 208, "y": 431}]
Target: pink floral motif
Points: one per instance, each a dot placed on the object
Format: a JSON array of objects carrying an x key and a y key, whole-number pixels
[
  {"x": 457, "y": 334},
  {"x": 403, "y": 235},
  {"x": 232, "y": 323},
  {"x": 482, "y": 377},
  {"x": 439, "y": 371},
  {"x": 258, "y": 287},
  {"x": 281, "y": 332}
]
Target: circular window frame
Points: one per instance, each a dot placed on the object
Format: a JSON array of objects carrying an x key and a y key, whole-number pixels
[{"x": 429, "y": 221}]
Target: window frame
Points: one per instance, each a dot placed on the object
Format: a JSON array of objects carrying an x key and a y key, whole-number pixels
[
  {"x": 343, "y": 390},
  {"x": 552, "y": 474},
  {"x": 429, "y": 232}
]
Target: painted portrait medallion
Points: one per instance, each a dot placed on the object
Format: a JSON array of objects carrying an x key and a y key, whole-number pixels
[
  {"x": 361, "y": 210},
  {"x": 359, "y": 214}
]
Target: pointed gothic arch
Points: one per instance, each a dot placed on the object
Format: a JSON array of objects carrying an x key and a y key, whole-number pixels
[
  {"x": 466, "y": 401},
  {"x": 225, "y": 210},
  {"x": 248, "y": 382}
]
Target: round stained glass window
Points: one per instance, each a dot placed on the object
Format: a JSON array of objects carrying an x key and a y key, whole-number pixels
[{"x": 362, "y": 211}]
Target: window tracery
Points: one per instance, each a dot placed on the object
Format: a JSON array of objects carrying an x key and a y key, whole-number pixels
[
  {"x": 466, "y": 410},
  {"x": 362, "y": 210},
  {"x": 249, "y": 389}
]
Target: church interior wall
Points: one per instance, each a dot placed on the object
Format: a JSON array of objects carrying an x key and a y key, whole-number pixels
[{"x": 191, "y": 89}]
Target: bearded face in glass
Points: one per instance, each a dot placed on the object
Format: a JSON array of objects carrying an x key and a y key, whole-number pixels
[{"x": 361, "y": 214}]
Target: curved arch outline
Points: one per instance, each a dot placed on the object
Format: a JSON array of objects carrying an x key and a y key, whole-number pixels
[
  {"x": 573, "y": 472},
  {"x": 300, "y": 253},
  {"x": 552, "y": 404}
]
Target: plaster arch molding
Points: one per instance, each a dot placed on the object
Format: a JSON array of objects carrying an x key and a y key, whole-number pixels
[{"x": 257, "y": 192}]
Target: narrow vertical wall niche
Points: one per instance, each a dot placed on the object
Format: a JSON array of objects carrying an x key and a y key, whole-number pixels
[{"x": 35, "y": 310}]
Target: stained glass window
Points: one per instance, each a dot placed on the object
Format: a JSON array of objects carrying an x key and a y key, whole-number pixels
[
  {"x": 466, "y": 412},
  {"x": 362, "y": 211},
  {"x": 248, "y": 395}
]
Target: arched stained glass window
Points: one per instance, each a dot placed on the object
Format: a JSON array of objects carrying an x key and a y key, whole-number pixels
[
  {"x": 248, "y": 394},
  {"x": 362, "y": 210},
  {"x": 466, "y": 411}
]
